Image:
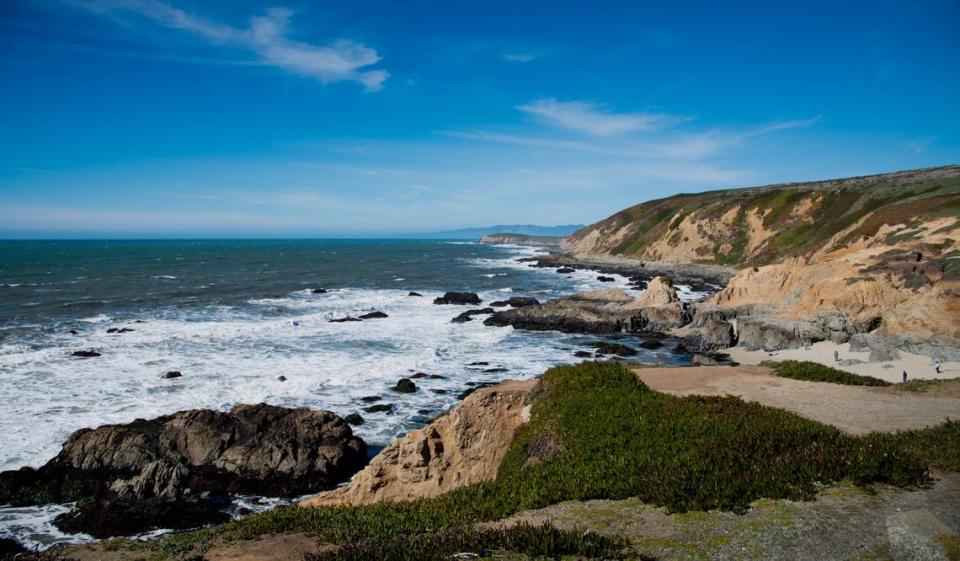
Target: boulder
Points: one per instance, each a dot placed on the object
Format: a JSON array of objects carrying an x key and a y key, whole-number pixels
[
  {"x": 318, "y": 291},
  {"x": 771, "y": 333},
  {"x": 711, "y": 335},
  {"x": 415, "y": 294},
  {"x": 370, "y": 398},
  {"x": 354, "y": 419},
  {"x": 85, "y": 354},
  {"x": 566, "y": 270},
  {"x": 418, "y": 375},
  {"x": 172, "y": 374},
  {"x": 143, "y": 472},
  {"x": 582, "y": 354},
  {"x": 458, "y": 298},
  {"x": 281, "y": 378},
  {"x": 405, "y": 385},
  {"x": 120, "y": 330},
  {"x": 602, "y": 278}
]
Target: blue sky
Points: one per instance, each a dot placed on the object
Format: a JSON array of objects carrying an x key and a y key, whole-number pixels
[{"x": 237, "y": 118}]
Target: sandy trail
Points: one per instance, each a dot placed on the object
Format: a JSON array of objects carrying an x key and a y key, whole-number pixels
[{"x": 853, "y": 409}]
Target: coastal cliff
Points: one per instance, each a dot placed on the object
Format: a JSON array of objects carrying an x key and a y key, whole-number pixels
[{"x": 878, "y": 252}]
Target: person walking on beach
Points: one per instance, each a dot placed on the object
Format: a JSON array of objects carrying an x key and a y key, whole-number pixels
[
  {"x": 904, "y": 376},
  {"x": 937, "y": 367},
  {"x": 836, "y": 356}
]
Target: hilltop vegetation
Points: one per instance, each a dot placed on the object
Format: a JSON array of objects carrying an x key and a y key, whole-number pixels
[{"x": 759, "y": 226}]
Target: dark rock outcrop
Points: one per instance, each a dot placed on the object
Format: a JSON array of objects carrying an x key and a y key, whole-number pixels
[
  {"x": 85, "y": 354},
  {"x": 603, "y": 311},
  {"x": 415, "y": 294},
  {"x": 120, "y": 330},
  {"x": 318, "y": 291},
  {"x": 459, "y": 298},
  {"x": 169, "y": 471},
  {"x": 344, "y": 320},
  {"x": 172, "y": 374},
  {"x": 603, "y": 278}
]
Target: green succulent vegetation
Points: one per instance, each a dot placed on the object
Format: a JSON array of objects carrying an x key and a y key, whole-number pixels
[
  {"x": 597, "y": 432},
  {"x": 802, "y": 217},
  {"x": 815, "y": 372},
  {"x": 537, "y": 542}
]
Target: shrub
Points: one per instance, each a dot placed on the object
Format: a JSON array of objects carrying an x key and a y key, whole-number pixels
[{"x": 815, "y": 372}]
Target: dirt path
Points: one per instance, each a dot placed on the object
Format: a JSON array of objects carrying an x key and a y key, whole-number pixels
[{"x": 853, "y": 409}]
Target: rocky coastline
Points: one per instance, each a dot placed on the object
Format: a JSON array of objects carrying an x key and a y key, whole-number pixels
[{"x": 182, "y": 470}]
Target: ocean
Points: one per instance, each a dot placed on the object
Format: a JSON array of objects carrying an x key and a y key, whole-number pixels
[{"x": 239, "y": 320}]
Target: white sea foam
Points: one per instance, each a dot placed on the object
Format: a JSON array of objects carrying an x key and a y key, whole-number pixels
[{"x": 230, "y": 355}]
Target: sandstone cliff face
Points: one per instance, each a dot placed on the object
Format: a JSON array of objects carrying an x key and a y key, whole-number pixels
[{"x": 462, "y": 447}]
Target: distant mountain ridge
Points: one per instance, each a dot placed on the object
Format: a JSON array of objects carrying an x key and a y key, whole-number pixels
[{"x": 523, "y": 229}]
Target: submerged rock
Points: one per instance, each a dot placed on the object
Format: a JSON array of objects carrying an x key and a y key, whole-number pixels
[
  {"x": 614, "y": 349},
  {"x": 120, "y": 330},
  {"x": 458, "y": 298},
  {"x": 142, "y": 473},
  {"x": 380, "y": 408},
  {"x": 343, "y": 320},
  {"x": 602, "y": 278},
  {"x": 468, "y": 315},
  {"x": 374, "y": 315},
  {"x": 405, "y": 385},
  {"x": 354, "y": 419},
  {"x": 172, "y": 374},
  {"x": 414, "y": 294},
  {"x": 318, "y": 291},
  {"x": 85, "y": 354}
]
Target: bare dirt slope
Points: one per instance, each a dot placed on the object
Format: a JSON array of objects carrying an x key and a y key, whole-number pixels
[{"x": 853, "y": 409}]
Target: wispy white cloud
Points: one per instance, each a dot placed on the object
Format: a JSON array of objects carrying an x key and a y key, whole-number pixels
[
  {"x": 268, "y": 38},
  {"x": 519, "y": 57},
  {"x": 591, "y": 118}
]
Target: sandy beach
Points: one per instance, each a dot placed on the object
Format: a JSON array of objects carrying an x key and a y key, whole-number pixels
[{"x": 918, "y": 367}]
